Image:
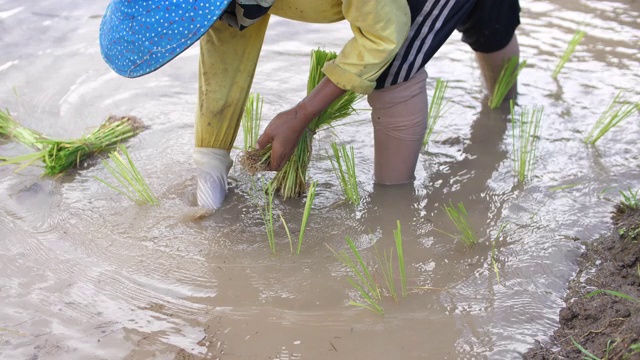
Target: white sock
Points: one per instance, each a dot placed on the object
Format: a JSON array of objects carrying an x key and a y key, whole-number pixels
[{"x": 212, "y": 169}]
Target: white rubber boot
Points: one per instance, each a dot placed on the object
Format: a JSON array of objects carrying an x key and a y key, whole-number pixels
[{"x": 212, "y": 169}]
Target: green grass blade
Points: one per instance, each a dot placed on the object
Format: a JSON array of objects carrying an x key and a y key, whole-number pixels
[
  {"x": 397, "y": 234},
  {"x": 251, "y": 120},
  {"x": 506, "y": 80},
  {"x": 344, "y": 166},
  {"x": 386, "y": 263},
  {"x": 525, "y": 133},
  {"x": 311, "y": 194},
  {"x": 286, "y": 228},
  {"x": 458, "y": 215},
  {"x": 130, "y": 181},
  {"x": 571, "y": 47},
  {"x": 588, "y": 355},
  {"x": 267, "y": 216},
  {"x": 615, "y": 114},
  {"x": 437, "y": 108},
  {"x": 614, "y": 293}
]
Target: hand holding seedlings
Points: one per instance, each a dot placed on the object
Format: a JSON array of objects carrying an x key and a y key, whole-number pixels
[{"x": 283, "y": 134}]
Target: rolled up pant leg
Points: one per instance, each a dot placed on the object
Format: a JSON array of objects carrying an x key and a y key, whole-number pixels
[
  {"x": 399, "y": 115},
  {"x": 228, "y": 59}
]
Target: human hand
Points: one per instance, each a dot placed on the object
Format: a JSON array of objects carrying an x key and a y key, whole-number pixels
[{"x": 283, "y": 133}]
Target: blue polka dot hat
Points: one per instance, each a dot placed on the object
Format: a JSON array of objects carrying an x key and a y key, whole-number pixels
[{"x": 140, "y": 36}]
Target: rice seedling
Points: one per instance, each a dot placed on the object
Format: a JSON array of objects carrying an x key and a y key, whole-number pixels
[
  {"x": 397, "y": 234},
  {"x": 362, "y": 280},
  {"x": 60, "y": 155},
  {"x": 13, "y": 130},
  {"x": 617, "y": 112},
  {"x": 571, "y": 47},
  {"x": 129, "y": 181},
  {"x": 311, "y": 194},
  {"x": 267, "y": 216},
  {"x": 630, "y": 199},
  {"x": 589, "y": 356},
  {"x": 386, "y": 262},
  {"x": 437, "y": 108},
  {"x": 290, "y": 181},
  {"x": 251, "y": 120},
  {"x": 460, "y": 218},
  {"x": 613, "y": 293},
  {"x": 343, "y": 163},
  {"x": 524, "y": 133},
  {"x": 507, "y": 78},
  {"x": 286, "y": 228}
]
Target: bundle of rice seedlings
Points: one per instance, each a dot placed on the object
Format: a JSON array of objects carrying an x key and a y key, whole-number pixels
[
  {"x": 460, "y": 218},
  {"x": 311, "y": 194},
  {"x": 617, "y": 112},
  {"x": 524, "y": 133},
  {"x": 436, "y": 108},
  {"x": 506, "y": 80},
  {"x": 130, "y": 182},
  {"x": 13, "y": 130},
  {"x": 343, "y": 163},
  {"x": 290, "y": 181},
  {"x": 251, "y": 120},
  {"x": 60, "y": 155},
  {"x": 571, "y": 47}
]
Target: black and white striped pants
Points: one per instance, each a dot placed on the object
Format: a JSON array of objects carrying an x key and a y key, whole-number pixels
[{"x": 486, "y": 25}]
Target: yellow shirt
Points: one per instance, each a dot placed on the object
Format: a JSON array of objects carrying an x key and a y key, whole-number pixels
[{"x": 379, "y": 29}]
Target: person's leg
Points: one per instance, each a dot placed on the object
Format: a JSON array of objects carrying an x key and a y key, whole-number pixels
[
  {"x": 491, "y": 65},
  {"x": 399, "y": 115},
  {"x": 490, "y": 32},
  {"x": 228, "y": 59}
]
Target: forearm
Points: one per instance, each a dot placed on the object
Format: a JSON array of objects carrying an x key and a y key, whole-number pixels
[{"x": 317, "y": 101}]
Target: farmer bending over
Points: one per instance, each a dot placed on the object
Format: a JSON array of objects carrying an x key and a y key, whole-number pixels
[{"x": 392, "y": 42}]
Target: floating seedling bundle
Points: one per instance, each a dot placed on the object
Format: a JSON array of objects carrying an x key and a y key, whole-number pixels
[
  {"x": 60, "y": 155},
  {"x": 290, "y": 181},
  {"x": 11, "y": 129}
]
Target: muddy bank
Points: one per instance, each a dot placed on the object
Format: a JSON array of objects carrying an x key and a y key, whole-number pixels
[{"x": 607, "y": 326}]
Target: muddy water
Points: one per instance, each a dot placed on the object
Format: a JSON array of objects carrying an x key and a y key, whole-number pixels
[{"x": 86, "y": 275}]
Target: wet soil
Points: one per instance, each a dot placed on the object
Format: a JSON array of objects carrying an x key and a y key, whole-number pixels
[{"x": 607, "y": 326}]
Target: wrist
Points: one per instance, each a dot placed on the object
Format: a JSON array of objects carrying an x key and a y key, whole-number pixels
[{"x": 305, "y": 113}]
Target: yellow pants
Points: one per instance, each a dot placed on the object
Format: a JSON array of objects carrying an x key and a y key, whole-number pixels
[{"x": 228, "y": 59}]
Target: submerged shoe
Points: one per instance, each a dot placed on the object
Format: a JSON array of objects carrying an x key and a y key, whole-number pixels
[{"x": 212, "y": 169}]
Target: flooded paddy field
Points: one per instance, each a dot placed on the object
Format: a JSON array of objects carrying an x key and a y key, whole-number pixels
[{"x": 86, "y": 274}]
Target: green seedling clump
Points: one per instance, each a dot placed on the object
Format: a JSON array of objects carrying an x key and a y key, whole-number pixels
[
  {"x": 525, "y": 131},
  {"x": 437, "y": 108},
  {"x": 129, "y": 181},
  {"x": 506, "y": 80},
  {"x": 343, "y": 163},
  {"x": 616, "y": 113},
  {"x": 251, "y": 120},
  {"x": 460, "y": 218}
]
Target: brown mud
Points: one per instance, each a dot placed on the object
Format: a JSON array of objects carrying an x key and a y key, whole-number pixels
[{"x": 607, "y": 326}]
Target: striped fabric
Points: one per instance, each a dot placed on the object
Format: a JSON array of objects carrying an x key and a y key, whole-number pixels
[{"x": 432, "y": 22}]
